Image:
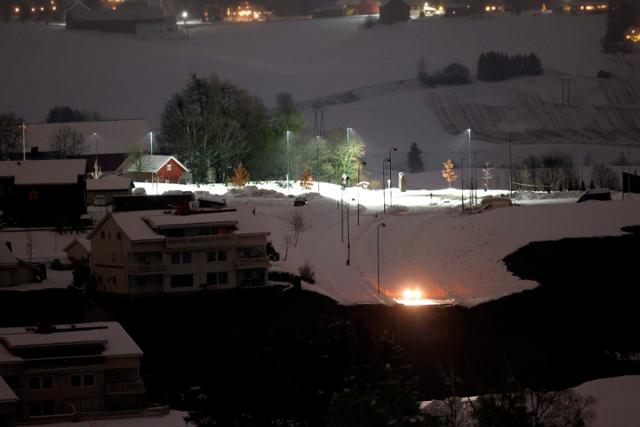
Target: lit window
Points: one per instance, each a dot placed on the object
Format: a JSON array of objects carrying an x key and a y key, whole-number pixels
[{"x": 168, "y": 167}]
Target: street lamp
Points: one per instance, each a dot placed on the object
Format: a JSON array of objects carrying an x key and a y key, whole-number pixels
[
  {"x": 288, "y": 157},
  {"x": 185, "y": 15},
  {"x": 382, "y": 224},
  {"x": 384, "y": 191},
  {"x": 318, "y": 161},
  {"x": 358, "y": 184},
  {"x": 391, "y": 178},
  {"x": 348, "y": 239},
  {"x": 469, "y": 157},
  {"x": 151, "y": 142},
  {"x": 95, "y": 140}
]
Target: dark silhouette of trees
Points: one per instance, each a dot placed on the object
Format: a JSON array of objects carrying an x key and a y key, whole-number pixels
[
  {"x": 414, "y": 159},
  {"x": 497, "y": 66}
]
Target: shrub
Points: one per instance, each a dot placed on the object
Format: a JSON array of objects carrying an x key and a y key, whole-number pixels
[
  {"x": 306, "y": 273},
  {"x": 452, "y": 74},
  {"x": 497, "y": 66},
  {"x": 602, "y": 74}
]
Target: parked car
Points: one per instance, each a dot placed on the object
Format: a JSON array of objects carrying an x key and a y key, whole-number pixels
[
  {"x": 300, "y": 201},
  {"x": 140, "y": 191}
]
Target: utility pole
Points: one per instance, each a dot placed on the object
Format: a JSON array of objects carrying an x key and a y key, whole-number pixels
[
  {"x": 24, "y": 142},
  {"x": 348, "y": 239},
  {"x": 382, "y": 224},
  {"x": 318, "y": 161},
  {"x": 462, "y": 182},
  {"x": 288, "y": 158},
  {"x": 475, "y": 179},
  {"x": 384, "y": 201},
  {"x": 391, "y": 178},
  {"x": 358, "y": 184},
  {"x": 510, "y": 171}
]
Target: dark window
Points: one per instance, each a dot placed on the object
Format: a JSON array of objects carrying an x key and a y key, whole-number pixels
[
  {"x": 102, "y": 234},
  {"x": 76, "y": 380},
  {"x": 47, "y": 382},
  {"x": 186, "y": 257},
  {"x": 34, "y": 383},
  {"x": 89, "y": 380},
  {"x": 175, "y": 258},
  {"x": 181, "y": 280},
  {"x": 222, "y": 255},
  {"x": 223, "y": 278},
  {"x": 119, "y": 236},
  {"x": 211, "y": 256},
  {"x": 212, "y": 278},
  {"x": 41, "y": 407}
]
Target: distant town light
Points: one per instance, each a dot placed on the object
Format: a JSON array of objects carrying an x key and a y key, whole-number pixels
[
  {"x": 41, "y": 8},
  {"x": 16, "y": 9},
  {"x": 53, "y": 8},
  {"x": 33, "y": 9}
]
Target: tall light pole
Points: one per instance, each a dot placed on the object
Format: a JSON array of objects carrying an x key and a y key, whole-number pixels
[
  {"x": 462, "y": 182},
  {"x": 348, "y": 239},
  {"x": 185, "y": 15},
  {"x": 151, "y": 142},
  {"x": 384, "y": 191},
  {"x": 318, "y": 161},
  {"x": 391, "y": 178},
  {"x": 24, "y": 142},
  {"x": 358, "y": 184},
  {"x": 382, "y": 224},
  {"x": 469, "y": 157},
  {"x": 288, "y": 157},
  {"x": 95, "y": 140}
]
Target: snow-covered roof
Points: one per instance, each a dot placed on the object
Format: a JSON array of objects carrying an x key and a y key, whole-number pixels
[
  {"x": 86, "y": 244},
  {"x": 141, "y": 225},
  {"x": 109, "y": 182},
  {"x": 6, "y": 257},
  {"x": 116, "y": 341},
  {"x": 149, "y": 163},
  {"x": 42, "y": 172},
  {"x": 112, "y": 136},
  {"x": 6, "y": 394}
]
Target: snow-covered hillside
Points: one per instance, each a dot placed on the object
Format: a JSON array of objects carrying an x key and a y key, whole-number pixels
[{"x": 122, "y": 76}]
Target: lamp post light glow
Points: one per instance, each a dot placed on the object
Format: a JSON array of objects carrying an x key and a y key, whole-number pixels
[
  {"x": 95, "y": 140},
  {"x": 185, "y": 15},
  {"x": 382, "y": 224}
]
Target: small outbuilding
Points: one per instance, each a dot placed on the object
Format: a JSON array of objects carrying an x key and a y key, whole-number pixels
[
  {"x": 394, "y": 11},
  {"x": 107, "y": 187},
  {"x": 78, "y": 250},
  {"x": 14, "y": 271},
  {"x": 153, "y": 168},
  {"x": 8, "y": 403}
]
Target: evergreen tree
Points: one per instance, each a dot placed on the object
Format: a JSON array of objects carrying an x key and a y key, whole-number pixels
[
  {"x": 211, "y": 125},
  {"x": 414, "y": 159},
  {"x": 618, "y": 20}
]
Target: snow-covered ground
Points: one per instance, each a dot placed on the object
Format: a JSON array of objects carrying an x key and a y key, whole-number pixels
[
  {"x": 616, "y": 400},
  {"x": 427, "y": 243}
]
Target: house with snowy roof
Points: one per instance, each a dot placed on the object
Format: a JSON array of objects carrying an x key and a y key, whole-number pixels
[
  {"x": 108, "y": 186},
  {"x": 153, "y": 168},
  {"x": 14, "y": 271},
  {"x": 168, "y": 251},
  {"x": 43, "y": 192},
  {"x": 60, "y": 372}
]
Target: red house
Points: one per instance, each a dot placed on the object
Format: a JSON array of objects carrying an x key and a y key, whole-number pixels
[{"x": 153, "y": 168}]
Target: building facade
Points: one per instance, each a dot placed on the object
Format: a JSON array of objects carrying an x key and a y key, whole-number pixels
[
  {"x": 394, "y": 11},
  {"x": 43, "y": 192},
  {"x": 154, "y": 168},
  {"x": 86, "y": 368},
  {"x": 153, "y": 252}
]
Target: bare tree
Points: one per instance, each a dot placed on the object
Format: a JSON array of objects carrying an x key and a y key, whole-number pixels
[
  {"x": 604, "y": 177},
  {"x": 66, "y": 141},
  {"x": 288, "y": 239},
  {"x": 297, "y": 224}
]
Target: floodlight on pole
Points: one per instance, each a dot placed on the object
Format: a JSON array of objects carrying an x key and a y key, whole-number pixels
[
  {"x": 358, "y": 189},
  {"x": 469, "y": 158},
  {"x": 185, "y": 15},
  {"x": 151, "y": 143},
  {"x": 95, "y": 140},
  {"x": 288, "y": 156},
  {"x": 382, "y": 224}
]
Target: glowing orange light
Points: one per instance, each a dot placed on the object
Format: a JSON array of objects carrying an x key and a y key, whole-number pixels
[{"x": 16, "y": 10}]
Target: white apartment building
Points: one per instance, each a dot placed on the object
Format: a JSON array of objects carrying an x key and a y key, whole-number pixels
[{"x": 152, "y": 252}]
